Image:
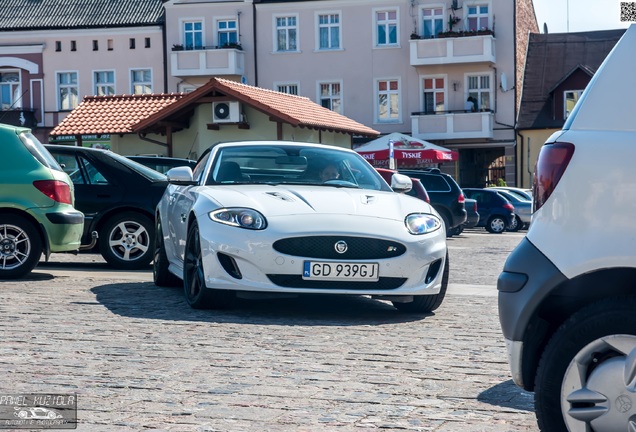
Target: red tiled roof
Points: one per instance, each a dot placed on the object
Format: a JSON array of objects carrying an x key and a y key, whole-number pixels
[
  {"x": 295, "y": 110},
  {"x": 112, "y": 114}
]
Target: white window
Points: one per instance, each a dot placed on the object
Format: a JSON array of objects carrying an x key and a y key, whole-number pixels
[
  {"x": 386, "y": 24},
  {"x": 434, "y": 92},
  {"x": 331, "y": 96},
  {"x": 286, "y": 33},
  {"x": 329, "y": 31},
  {"x": 388, "y": 100},
  {"x": 141, "y": 81},
  {"x": 10, "y": 90},
  {"x": 432, "y": 22},
  {"x": 287, "y": 88},
  {"x": 227, "y": 32},
  {"x": 67, "y": 90},
  {"x": 478, "y": 17},
  {"x": 479, "y": 90},
  {"x": 193, "y": 35},
  {"x": 570, "y": 98},
  {"x": 104, "y": 83}
]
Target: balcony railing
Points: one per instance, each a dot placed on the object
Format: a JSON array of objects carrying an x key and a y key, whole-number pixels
[
  {"x": 19, "y": 117},
  {"x": 452, "y": 125},
  {"x": 454, "y": 48},
  {"x": 207, "y": 61}
]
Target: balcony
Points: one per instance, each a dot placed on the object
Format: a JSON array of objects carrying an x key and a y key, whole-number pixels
[
  {"x": 19, "y": 117},
  {"x": 207, "y": 62},
  {"x": 452, "y": 125},
  {"x": 454, "y": 48}
]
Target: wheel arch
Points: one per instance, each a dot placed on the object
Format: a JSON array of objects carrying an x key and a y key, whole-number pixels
[
  {"x": 105, "y": 217},
  {"x": 562, "y": 302}
]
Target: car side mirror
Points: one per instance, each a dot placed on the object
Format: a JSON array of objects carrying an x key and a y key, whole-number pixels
[
  {"x": 401, "y": 183},
  {"x": 181, "y": 176}
]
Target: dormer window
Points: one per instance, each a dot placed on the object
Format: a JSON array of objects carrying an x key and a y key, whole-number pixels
[{"x": 570, "y": 98}]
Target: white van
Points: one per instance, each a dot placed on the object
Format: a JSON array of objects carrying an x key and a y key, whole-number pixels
[{"x": 567, "y": 293}]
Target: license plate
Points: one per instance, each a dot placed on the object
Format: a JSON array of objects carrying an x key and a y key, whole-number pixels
[{"x": 336, "y": 271}]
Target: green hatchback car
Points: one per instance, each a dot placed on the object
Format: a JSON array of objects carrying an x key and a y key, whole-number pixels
[{"x": 36, "y": 204}]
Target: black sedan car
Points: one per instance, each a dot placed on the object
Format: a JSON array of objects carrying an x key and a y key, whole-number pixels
[
  {"x": 496, "y": 213},
  {"x": 118, "y": 198},
  {"x": 163, "y": 163}
]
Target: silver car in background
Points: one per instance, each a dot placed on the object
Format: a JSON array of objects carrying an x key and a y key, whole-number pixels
[{"x": 523, "y": 210}]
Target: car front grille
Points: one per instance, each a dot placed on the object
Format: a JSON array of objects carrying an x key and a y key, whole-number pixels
[
  {"x": 295, "y": 281},
  {"x": 358, "y": 248}
]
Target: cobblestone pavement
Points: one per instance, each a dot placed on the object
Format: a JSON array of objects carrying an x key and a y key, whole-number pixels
[{"x": 139, "y": 358}]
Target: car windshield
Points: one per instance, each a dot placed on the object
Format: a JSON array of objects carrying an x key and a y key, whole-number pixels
[
  {"x": 139, "y": 168},
  {"x": 293, "y": 164}
]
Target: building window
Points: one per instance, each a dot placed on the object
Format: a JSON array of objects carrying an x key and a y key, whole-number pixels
[
  {"x": 434, "y": 94},
  {"x": 58, "y": 46},
  {"x": 328, "y": 31},
  {"x": 432, "y": 22},
  {"x": 287, "y": 88},
  {"x": 131, "y": 43},
  {"x": 141, "y": 81},
  {"x": 479, "y": 90},
  {"x": 147, "y": 43},
  {"x": 95, "y": 45},
  {"x": 104, "y": 83},
  {"x": 67, "y": 90},
  {"x": 388, "y": 100},
  {"x": 286, "y": 34},
  {"x": 386, "y": 27},
  {"x": 478, "y": 17},
  {"x": 570, "y": 98},
  {"x": 109, "y": 44},
  {"x": 227, "y": 32},
  {"x": 73, "y": 46},
  {"x": 10, "y": 90},
  {"x": 193, "y": 35},
  {"x": 331, "y": 96}
]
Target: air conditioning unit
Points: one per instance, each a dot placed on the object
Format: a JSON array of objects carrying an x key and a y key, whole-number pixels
[{"x": 226, "y": 112}]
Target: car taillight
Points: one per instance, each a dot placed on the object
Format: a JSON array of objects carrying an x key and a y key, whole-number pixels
[
  {"x": 54, "y": 189},
  {"x": 551, "y": 164},
  {"x": 461, "y": 199},
  {"x": 475, "y": 206},
  {"x": 509, "y": 207}
]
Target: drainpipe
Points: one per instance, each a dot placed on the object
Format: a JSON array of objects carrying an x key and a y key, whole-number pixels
[{"x": 254, "y": 43}]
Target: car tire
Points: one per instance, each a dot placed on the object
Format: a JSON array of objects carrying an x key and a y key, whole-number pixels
[
  {"x": 20, "y": 246},
  {"x": 160, "y": 273},
  {"x": 446, "y": 219},
  {"x": 196, "y": 293},
  {"x": 427, "y": 303},
  {"x": 588, "y": 359},
  {"x": 496, "y": 225},
  {"x": 126, "y": 241},
  {"x": 515, "y": 225}
]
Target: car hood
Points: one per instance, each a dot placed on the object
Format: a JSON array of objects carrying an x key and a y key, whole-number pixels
[{"x": 285, "y": 200}]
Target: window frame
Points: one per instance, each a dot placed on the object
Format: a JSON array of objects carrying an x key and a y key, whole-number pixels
[
  {"x": 376, "y": 25},
  {"x": 423, "y": 19},
  {"x": 97, "y": 85},
  {"x": 578, "y": 93},
  {"x": 15, "y": 89},
  {"x": 478, "y": 16},
  {"x": 331, "y": 97},
  {"x": 218, "y": 31},
  {"x": 435, "y": 90},
  {"x": 59, "y": 87},
  {"x": 279, "y": 84},
  {"x": 184, "y": 33},
  {"x": 287, "y": 28},
  {"x": 480, "y": 90},
  {"x": 377, "y": 105},
  {"x": 148, "y": 83},
  {"x": 329, "y": 26}
]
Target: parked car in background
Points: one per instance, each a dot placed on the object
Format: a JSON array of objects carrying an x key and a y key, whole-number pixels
[
  {"x": 37, "y": 213},
  {"x": 417, "y": 190},
  {"x": 118, "y": 197},
  {"x": 567, "y": 300},
  {"x": 496, "y": 213},
  {"x": 472, "y": 216},
  {"x": 162, "y": 163},
  {"x": 255, "y": 220},
  {"x": 523, "y": 210},
  {"x": 525, "y": 194},
  {"x": 445, "y": 194}
]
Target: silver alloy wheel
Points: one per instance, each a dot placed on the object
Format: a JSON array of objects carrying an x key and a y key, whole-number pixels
[
  {"x": 497, "y": 225},
  {"x": 15, "y": 246},
  {"x": 129, "y": 240},
  {"x": 604, "y": 399}
]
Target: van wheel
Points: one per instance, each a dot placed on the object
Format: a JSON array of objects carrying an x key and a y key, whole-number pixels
[
  {"x": 496, "y": 225},
  {"x": 127, "y": 241},
  {"x": 20, "y": 247},
  {"x": 587, "y": 369}
]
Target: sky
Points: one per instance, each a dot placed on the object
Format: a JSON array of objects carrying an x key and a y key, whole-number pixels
[{"x": 584, "y": 15}]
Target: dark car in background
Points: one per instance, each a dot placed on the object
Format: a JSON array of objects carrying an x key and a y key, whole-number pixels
[
  {"x": 496, "y": 214},
  {"x": 472, "y": 216},
  {"x": 162, "y": 163},
  {"x": 118, "y": 198},
  {"x": 445, "y": 194}
]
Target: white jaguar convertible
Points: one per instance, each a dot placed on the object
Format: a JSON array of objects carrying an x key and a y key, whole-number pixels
[{"x": 259, "y": 219}]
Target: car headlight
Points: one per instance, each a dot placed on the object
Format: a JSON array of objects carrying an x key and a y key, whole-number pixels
[
  {"x": 240, "y": 217},
  {"x": 422, "y": 223}
]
